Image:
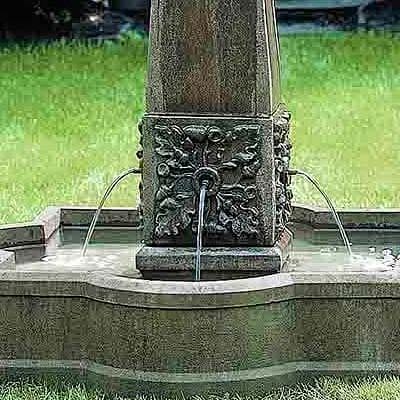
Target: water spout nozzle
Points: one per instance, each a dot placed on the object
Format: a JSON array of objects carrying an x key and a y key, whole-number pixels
[
  {"x": 205, "y": 184},
  {"x": 207, "y": 177}
]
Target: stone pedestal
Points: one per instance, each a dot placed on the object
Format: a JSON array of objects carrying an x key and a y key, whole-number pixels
[
  {"x": 218, "y": 263},
  {"x": 214, "y": 112}
]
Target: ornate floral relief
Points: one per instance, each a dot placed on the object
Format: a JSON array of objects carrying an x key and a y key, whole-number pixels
[
  {"x": 282, "y": 147},
  {"x": 139, "y": 155},
  {"x": 229, "y": 156}
]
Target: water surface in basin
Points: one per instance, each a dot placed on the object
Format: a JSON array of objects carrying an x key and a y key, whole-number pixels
[{"x": 113, "y": 251}]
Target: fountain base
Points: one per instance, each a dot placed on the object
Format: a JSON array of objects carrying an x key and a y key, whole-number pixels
[
  {"x": 97, "y": 322},
  {"x": 217, "y": 263}
]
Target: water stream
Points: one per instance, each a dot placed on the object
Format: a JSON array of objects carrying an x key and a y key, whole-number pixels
[
  {"x": 331, "y": 207},
  {"x": 107, "y": 193},
  {"x": 200, "y": 228},
  {"x": 201, "y": 211}
]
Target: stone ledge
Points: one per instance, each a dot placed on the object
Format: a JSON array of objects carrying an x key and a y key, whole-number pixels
[
  {"x": 217, "y": 263},
  {"x": 174, "y": 263},
  {"x": 82, "y": 216},
  {"x": 140, "y": 293},
  {"x": 318, "y": 217},
  {"x": 14, "y": 235},
  {"x": 47, "y": 222},
  {"x": 245, "y": 382}
]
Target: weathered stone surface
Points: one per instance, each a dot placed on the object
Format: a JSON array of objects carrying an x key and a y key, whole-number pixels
[
  {"x": 50, "y": 219},
  {"x": 21, "y": 234},
  {"x": 318, "y": 217},
  {"x": 7, "y": 260},
  {"x": 237, "y": 152},
  {"x": 78, "y": 216},
  {"x": 213, "y": 57},
  {"x": 362, "y": 330},
  {"x": 214, "y": 111},
  {"x": 28, "y": 253},
  {"x": 177, "y": 263},
  {"x": 132, "y": 335}
]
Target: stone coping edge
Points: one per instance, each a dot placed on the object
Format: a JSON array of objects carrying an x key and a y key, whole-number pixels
[
  {"x": 245, "y": 381},
  {"x": 363, "y": 218},
  {"x": 231, "y": 376},
  {"x": 116, "y": 217},
  {"x": 182, "y": 295},
  {"x": 47, "y": 222}
]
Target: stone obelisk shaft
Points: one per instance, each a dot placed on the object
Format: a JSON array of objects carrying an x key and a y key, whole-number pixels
[
  {"x": 213, "y": 57},
  {"x": 214, "y": 112}
]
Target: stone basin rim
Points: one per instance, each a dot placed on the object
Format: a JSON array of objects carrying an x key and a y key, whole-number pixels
[
  {"x": 52, "y": 218},
  {"x": 248, "y": 292}
]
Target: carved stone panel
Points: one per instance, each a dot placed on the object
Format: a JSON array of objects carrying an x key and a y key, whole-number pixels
[
  {"x": 230, "y": 158},
  {"x": 282, "y": 150},
  {"x": 230, "y": 152}
]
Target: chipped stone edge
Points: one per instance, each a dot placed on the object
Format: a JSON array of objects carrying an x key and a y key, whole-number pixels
[{"x": 50, "y": 219}]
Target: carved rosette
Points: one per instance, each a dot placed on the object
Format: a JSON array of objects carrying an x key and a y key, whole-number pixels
[
  {"x": 282, "y": 150},
  {"x": 231, "y": 156}
]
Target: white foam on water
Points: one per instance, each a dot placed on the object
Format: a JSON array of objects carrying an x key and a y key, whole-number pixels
[
  {"x": 76, "y": 261},
  {"x": 369, "y": 264}
]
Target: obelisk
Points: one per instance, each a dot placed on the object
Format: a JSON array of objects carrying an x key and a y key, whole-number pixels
[{"x": 214, "y": 112}]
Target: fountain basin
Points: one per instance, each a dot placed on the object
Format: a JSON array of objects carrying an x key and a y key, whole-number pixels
[{"x": 100, "y": 321}]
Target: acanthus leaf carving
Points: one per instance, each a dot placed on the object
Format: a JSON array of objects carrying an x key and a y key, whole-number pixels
[
  {"x": 282, "y": 149},
  {"x": 232, "y": 155}
]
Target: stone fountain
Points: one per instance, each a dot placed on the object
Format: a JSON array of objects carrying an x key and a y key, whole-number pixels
[
  {"x": 214, "y": 120},
  {"x": 214, "y": 114}
]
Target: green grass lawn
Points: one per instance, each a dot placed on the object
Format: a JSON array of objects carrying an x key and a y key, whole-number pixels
[
  {"x": 324, "y": 389},
  {"x": 68, "y": 116}
]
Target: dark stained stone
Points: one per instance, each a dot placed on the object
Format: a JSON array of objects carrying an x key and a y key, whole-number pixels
[{"x": 213, "y": 57}]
